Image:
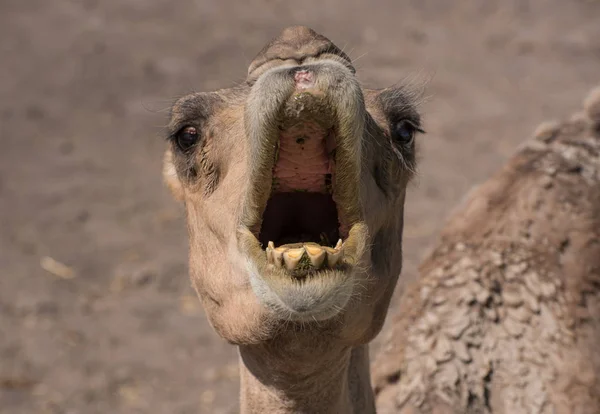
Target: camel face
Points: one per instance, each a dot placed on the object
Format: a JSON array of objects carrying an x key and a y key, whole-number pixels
[{"x": 294, "y": 187}]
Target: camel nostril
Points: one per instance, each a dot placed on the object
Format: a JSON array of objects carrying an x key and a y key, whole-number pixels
[{"x": 304, "y": 79}]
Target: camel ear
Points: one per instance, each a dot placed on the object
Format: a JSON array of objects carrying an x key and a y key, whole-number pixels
[{"x": 170, "y": 176}]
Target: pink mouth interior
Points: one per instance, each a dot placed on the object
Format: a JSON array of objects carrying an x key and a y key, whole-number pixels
[
  {"x": 304, "y": 159},
  {"x": 301, "y": 207}
]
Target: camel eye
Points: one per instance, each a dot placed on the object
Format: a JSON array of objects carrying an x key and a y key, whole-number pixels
[
  {"x": 187, "y": 138},
  {"x": 403, "y": 132}
]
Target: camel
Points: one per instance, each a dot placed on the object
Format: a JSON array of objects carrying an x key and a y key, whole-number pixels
[
  {"x": 294, "y": 185},
  {"x": 505, "y": 317}
]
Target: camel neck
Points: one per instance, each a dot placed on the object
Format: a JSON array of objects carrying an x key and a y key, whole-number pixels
[{"x": 337, "y": 381}]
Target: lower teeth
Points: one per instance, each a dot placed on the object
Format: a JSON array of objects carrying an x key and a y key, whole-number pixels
[{"x": 304, "y": 256}]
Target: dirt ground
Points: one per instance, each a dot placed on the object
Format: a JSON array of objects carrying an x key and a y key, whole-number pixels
[{"x": 84, "y": 88}]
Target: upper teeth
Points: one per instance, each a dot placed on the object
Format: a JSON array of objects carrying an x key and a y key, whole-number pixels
[{"x": 292, "y": 256}]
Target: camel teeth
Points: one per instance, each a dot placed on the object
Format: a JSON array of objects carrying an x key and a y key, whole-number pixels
[
  {"x": 333, "y": 256},
  {"x": 269, "y": 252},
  {"x": 316, "y": 254},
  {"x": 292, "y": 257},
  {"x": 278, "y": 255}
]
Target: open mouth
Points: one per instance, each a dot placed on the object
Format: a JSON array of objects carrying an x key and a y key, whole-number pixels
[
  {"x": 311, "y": 210},
  {"x": 301, "y": 206},
  {"x": 301, "y": 226},
  {"x": 300, "y": 217}
]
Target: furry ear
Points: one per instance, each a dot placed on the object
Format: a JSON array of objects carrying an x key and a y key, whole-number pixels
[{"x": 170, "y": 176}]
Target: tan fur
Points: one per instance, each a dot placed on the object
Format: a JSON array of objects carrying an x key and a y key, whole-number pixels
[
  {"x": 302, "y": 346},
  {"x": 505, "y": 318}
]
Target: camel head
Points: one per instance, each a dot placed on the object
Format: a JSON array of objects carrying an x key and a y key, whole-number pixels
[{"x": 294, "y": 186}]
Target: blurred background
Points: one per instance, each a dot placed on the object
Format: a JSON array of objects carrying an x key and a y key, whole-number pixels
[{"x": 96, "y": 312}]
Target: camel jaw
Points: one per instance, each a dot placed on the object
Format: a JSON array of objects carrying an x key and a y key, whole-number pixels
[{"x": 304, "y": 282}]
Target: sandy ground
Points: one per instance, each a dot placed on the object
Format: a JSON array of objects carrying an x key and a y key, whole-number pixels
[{"x": 84, "y": 85}]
